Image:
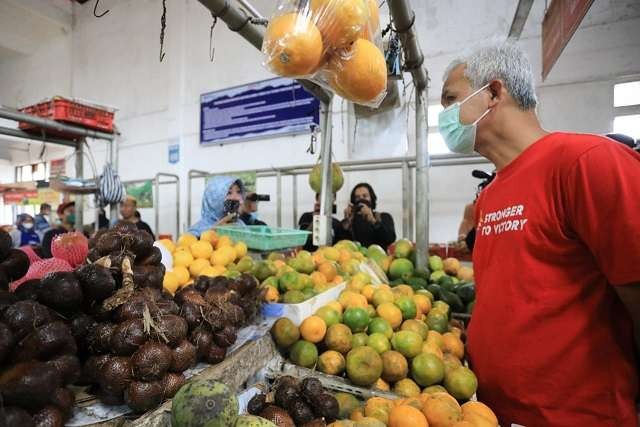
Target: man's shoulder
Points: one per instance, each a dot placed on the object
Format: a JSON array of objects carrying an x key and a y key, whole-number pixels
[{"x": 570, "y": 146}]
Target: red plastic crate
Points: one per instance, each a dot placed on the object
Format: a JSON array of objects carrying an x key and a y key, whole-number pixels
[{"x": 65, "y": 110}]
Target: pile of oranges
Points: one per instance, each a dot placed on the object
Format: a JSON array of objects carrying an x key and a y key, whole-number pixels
[
  {"x": 334, "y": 40},
  {"x": 208, "y": 256}
]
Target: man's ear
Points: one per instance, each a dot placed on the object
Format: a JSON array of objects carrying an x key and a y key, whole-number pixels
[{"x": 498, "y": 92}]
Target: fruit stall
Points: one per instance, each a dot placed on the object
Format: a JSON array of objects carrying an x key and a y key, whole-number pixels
[{"x": 121, "y": 330}]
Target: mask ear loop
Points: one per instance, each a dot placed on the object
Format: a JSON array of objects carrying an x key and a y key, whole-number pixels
[
  {"x": 482, "y": 116},
  {"x": 475, "y": 93}
]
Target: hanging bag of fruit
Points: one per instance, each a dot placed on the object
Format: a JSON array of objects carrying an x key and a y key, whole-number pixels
[{"x": 335, "y": 43}]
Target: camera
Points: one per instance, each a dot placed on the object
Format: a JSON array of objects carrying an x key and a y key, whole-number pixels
[
  {"x": 255, "y": 197},
  {"x": 231, "y": 207},
  {"x": 357, "y": 206}
]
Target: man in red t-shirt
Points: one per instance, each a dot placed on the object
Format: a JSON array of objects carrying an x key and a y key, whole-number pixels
[{"x": 556, "y": 324}]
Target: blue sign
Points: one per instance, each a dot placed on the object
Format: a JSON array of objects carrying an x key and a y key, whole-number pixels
[
  {"x": 174, "y": 153},
  {"x": 268, "y": 108}
]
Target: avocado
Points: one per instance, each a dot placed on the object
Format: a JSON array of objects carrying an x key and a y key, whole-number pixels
[
  {"x": 417, "y": 283},
  {"x": 466, "y": 292},
  {"x": 453, "y": 300},
  {"x": 435, "y": 290}
]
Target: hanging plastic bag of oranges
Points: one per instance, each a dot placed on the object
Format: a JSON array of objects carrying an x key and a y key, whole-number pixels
[{"x": 335, "y": 43}]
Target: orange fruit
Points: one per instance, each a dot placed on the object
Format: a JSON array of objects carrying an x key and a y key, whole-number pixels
[
  {"x": 337, "y": 280},
  {"x": 453, "y": 345},
  {"x": 436, "y": 338},
  {"x": 403, "y": 290},
  {"x": 394, "y": 366},
  {"x": 293, "y": 45},
  {"x": 339, "y": 338},
  {"x": 432, "y": 348},
  {"x": 382, "y": 295},
  {"x": 331, "y": 253},
  {"x": 407, "y": 388},
  {"x": 407, "y": 416},
  {"x": 390, "y": 313},
  {"x": 357, "y": 415},
  {"x": 367, "y": 291},
  {"x": 182, "y": 259},
  {"x": 213, "y": 271},
  {"x": 336, "y": 306},
  {"x": 328, "y": 269},
  {"x": 170, "y": 282},
  {"x": 350, "y": 299},
  {"x": 479, "y": 414},
  {"x": 197, "y": 266},
  {"x": 271, "y": 294},
  {"x": 441, "y": 409},
  {"x": 378, "y": 408},
  {"x": 423, "y": 303},
  {"x": 331, "y": 363},
  {"x": 241, "y": 249},
  {"x": 168, "y": 244},
  {"x": 186, "y": 240},
  {"x": 464, "y": 423},
  {"x": 411, "y": 401},
  {"x": 224, "y": 241},
  {"x": 344, "y": 257},
  {"x": 340, "y": 21},
  {"x": 182, "y": 274},
  {"x": 209, "y": 236},
  {"x": 313, "y": 329},
  {"x": 381, "y": 385},
  {"x": 318, "y": 278}
]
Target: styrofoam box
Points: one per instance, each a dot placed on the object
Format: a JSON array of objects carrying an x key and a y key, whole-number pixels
[{"x": 298, "y": 312}]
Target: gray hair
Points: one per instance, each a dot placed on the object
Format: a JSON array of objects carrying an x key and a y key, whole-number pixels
[{"x": 504, "y": 61}]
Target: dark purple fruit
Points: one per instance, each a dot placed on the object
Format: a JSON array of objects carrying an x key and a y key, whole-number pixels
[
  {"x": 99, "y": 339},
  {"x": 28, "y": 290},
  {"x": 7, "y": 342},
  {"x": 46, "y": 342},
  {"x": 127, "y": 337},
  {"x": 15, "y": 265},
  {"x": 109, "y": 398},
  {"x": 24, "y": 317},
  {"x": 49, "y": 416},
  {"x": 311, "y": 387},
  {"x": 29, "y": 385},
  {"x": 92, "y": 367},
  {"x": 63, "y": 399},
  {"x": 68, "y": 366},
  {"x": 15, "y": 417},
  {"x": 151, "y": 361},
  {"x": 6, "y": 243},
  {"x": 143, "y": 396},
  {"x": 202, "y": 339},
  {"x": 226, "y": 336},
  {"x": 172, "y": 383},
  {"x": 215, "y": 355},
  {"x": 326, "y": 406},
  {"x": 257, "y": 404},
  {"x": 183, "y": 356},
  {"x": 97, "y": 282},
  {"x": 154, "y": 258},
  {"x": 300, "y": 412},
  {"x": 192, "y": 314},
  {"x": 115, "y": 375},
  {"x": 172, "y": 329}
]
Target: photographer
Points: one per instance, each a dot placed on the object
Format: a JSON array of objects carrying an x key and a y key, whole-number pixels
[
  {"x": 249, "y": 208},
  {"x": 220, "y": 204},
  {"x": 361, "y": 221},
  {"x": 306, "y": 223}
]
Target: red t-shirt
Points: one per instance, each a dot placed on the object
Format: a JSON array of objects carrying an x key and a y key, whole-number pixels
[{"x": 550, "y": 341}]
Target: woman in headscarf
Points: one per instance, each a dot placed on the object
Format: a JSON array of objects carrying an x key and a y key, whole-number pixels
[
  {"x": 220, "y": 203},
  {"x": 25, "y": 234}
]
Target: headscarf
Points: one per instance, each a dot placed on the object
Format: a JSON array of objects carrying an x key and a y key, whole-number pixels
[{"x": 213, "y": 202}]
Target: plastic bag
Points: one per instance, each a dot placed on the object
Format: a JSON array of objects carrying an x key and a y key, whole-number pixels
[{"x": 335, "y": 43}]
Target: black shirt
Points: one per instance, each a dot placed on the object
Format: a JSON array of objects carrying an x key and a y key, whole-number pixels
[
  {"x": 145, "y": 227},
  {"x": 382, "y": 233},
  {"x": 305, "y": 222},
  {"x": 250, "y": 220}
]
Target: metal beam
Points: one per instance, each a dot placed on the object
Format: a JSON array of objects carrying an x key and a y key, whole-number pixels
[
  {"x": 404, "y": 18},
  {"x": 238, "y": 21},
  {"x": 13, "y": 114},
  {"x": 22, "y": 134},
  {"x": 520, "y": 18},
  {"x": 422, "y": 181}
]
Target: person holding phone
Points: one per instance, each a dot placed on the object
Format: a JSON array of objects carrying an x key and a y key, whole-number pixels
[
  {"x": 363, "y": 223},
  {"x": 306, "y": 223},
  {"x": 220, "y": 204}
]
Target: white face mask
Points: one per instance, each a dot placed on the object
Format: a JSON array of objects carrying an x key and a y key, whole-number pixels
[{"x": 28, "y": 225}]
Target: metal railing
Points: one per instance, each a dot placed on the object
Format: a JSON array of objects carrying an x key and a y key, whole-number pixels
[{"x": 405, "y": 164}]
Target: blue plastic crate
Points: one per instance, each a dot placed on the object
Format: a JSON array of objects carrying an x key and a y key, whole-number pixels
[{"x": 264, "y": 238}]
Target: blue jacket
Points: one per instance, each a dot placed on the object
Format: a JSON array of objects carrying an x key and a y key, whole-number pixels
[{"x": 213, "y": 203}]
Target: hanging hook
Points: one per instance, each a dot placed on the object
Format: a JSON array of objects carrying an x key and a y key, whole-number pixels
[
  {"x": 163, "y": 26},
  {"x": 95, "y": 10},
  {"x": 212, "y": 49}
]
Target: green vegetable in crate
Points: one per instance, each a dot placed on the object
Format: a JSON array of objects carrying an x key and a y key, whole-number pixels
[
  {"x": 204, "y": 403},
  {"x": 454, "y": 301},
  {"x": 315, "y": 178},
  {"x": 467, "y": 292},
  {"x": 253, "y": 421},
  {"x": 305, "y": 354},
  {"x": 435, "y": 263},
  {"x": 447, "y": 283}
]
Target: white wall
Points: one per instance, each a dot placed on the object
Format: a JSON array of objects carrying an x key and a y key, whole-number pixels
[{"x": 114, "y": 61}]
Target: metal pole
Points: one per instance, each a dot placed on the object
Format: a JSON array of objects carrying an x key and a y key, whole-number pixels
[
  {"x": 279, "y": 197},
  {"x": 177, "y": 207},
  {"x": 113, "y": 159},
  {"x": 295, "y": 200},
  {"x": 404, "y": 19},
  {"x": 406, "y": 214},
  {"x": 156, "y": 202},
  {"x": 326, "y": 193},
  {"x": 13, "y": 114},
  {"x": 21, "y": 134},
  {"x": 422, "y": 182},
  {"x": 252, "y": 10},
  {"x": 79, "y": 197}
]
